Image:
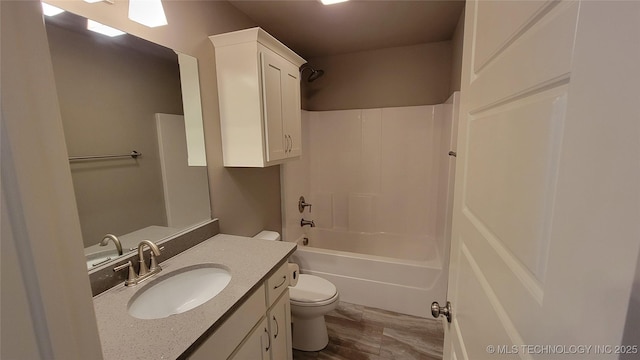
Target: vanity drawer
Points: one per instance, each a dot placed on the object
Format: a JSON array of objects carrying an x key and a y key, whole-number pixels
[
  {"x": 277, "y": 284},
  {"x": 231, "y": 333}
]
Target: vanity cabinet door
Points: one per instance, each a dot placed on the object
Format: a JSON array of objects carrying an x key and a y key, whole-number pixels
[
  {"x": 256, "y": 346},
  {"x": 224, "y": 341},
  {"x": 279, "y": 318}
]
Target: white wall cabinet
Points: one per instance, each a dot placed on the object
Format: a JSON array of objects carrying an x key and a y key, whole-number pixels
[
  {"x": 260, "y": 329},
  {"x": 259, "y": 98}
]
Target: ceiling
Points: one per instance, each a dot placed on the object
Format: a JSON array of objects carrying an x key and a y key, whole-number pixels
[
  {"x": 314, "y": 30},
  {"x": 78, "y": 24}
]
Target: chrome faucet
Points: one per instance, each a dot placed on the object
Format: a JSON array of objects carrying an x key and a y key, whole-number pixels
[
  {"x": 144, "y": 272},
  {"x": 304, "y": 222},
  {"x": 115, "y": 240}
]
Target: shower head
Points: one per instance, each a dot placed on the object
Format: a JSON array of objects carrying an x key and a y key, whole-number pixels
[{"x": 315, "y": 74}]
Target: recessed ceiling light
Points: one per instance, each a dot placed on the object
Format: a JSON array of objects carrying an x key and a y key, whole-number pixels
[
  {"x": 96, "y": 1},
  {"x": 331, "y": 2},
  {"x": 147, "y": 12},
  {"x": 103, "y": 29},
  {"x": 50, "y": 10}
]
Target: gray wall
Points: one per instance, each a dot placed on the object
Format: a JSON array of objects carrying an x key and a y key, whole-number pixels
[
  {"x": 401, "y": 76},
  {"x": 108, "y": 95}
]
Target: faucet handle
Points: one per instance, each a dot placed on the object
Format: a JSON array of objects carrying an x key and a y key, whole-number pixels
[
  {"x": 143, "y": 266},
  {"x": 303, "y": 204},
  {"x": 131, "y": 277},
  {"x": 153, "y": 266}
]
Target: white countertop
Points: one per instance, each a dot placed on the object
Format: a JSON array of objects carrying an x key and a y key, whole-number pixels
[{"x": 125, "y": 337}]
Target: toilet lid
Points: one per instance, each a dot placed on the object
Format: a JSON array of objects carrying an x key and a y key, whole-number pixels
[{"x": 311, "y": 288}]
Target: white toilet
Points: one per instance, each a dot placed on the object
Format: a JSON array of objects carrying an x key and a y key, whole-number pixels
[{"x": 311, "y": 299}]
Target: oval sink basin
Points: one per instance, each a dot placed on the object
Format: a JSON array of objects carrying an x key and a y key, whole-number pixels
[{"x": 180, "y": 291}]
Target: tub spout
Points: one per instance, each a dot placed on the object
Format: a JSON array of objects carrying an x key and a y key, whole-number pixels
[{"x": 304, "y": 222}]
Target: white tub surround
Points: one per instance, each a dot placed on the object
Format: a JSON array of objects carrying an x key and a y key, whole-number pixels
[
  {"x": 396, "y": 246},
  {"x": 251, "y": 262},
  {"x": 380, "y": 183},
  {"x": 402, "y": 285},
  {"x": 372, "y": 171}
]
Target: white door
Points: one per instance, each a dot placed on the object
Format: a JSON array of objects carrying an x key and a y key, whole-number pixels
[{"x": 547, "y": 198}]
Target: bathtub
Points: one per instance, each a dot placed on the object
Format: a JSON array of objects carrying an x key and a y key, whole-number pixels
[{"x": 386, "y": 271}]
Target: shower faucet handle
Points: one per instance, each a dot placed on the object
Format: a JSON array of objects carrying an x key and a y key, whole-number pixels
[{"x": 302, "y": 204}]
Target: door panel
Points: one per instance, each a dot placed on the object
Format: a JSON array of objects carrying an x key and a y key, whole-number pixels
[
  {"x": 520, "y": 294},
  {"x": 478, "y": 308},
  {"x": 547, "y": 171},
  {"x": 291, "y": 110},
  {"x": 499, "y": 22},
  {"x": 536, "y": 59},
  {"x": 272, "y": 97},
  {"x": 511, "y": 170}
]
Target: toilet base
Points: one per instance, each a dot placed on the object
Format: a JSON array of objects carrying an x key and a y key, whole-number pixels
[{"x": 309, "y": 334}]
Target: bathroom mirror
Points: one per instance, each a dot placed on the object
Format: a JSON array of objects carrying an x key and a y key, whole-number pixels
[{"x": 118, "y": 95}]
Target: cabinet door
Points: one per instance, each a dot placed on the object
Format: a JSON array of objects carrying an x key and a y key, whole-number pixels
[
  {"x": 256, "y": 346},
  {"x": 231, "y": 333},
  {"x": 279, "y": 317},
  {"x": 272, "y": 74},
  {"x": 291, "y": 110}
]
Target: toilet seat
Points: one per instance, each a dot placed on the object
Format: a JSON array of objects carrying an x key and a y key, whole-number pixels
[
  {"x": 317, "y": 303},
  {"x": 312, "y": 290}
]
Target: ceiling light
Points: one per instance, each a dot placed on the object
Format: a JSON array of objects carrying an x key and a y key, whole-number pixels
[
  {"x": 103, "y": 29},
  {"x": 147, "y": 12},
  {"x": 51, "y": 10},
  {"x": 331, "y": 2}
]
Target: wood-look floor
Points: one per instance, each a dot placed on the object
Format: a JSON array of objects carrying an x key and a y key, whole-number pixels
[{"x": 362, "y": 333}]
